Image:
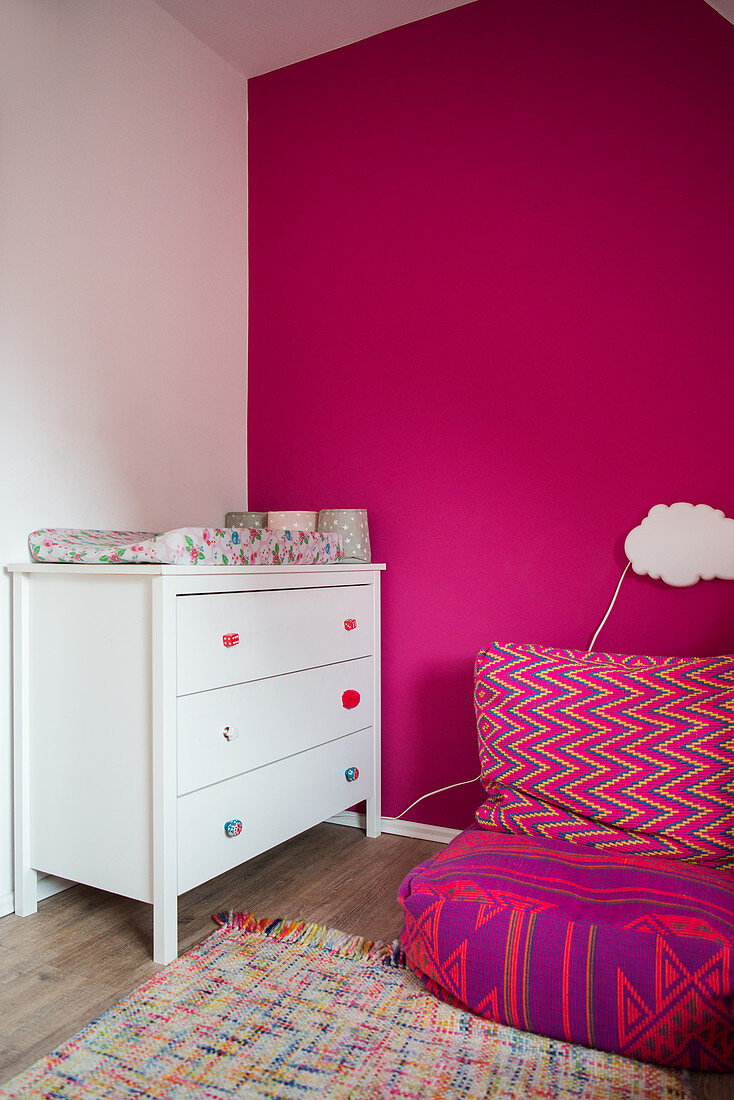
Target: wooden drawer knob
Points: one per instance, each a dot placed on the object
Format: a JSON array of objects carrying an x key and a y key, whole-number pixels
[
  {"x": 233, "y": 828},
  {"x": 350, "y": 699}
]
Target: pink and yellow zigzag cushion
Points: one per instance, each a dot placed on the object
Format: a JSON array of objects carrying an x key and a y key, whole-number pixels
[{"x": 627, "y": 753}]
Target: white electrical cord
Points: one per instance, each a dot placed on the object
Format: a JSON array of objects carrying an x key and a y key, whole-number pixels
[
  {"x": 464, "y": 783},
  {"x": 611, "y": 605},
  {"x": 467, "y": 782}
]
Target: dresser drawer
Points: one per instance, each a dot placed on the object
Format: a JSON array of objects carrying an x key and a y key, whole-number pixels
[
  {"x": 273, "y": 803},
  {"x": 231, "y": 730},
  {"x": 230, "y": 637}
]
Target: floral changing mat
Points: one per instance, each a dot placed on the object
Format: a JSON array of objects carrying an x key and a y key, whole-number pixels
[{"x": 186, "y": 546}]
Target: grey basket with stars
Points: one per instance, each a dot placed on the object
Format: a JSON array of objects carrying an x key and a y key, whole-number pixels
[
  {"x": 351, "y": 524},
  {"x": 246, "y": 519}
]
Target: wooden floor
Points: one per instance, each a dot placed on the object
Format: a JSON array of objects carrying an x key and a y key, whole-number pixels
[{"x": 85, "y": 949}]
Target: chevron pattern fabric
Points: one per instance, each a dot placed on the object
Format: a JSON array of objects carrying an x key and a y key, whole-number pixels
[
  {"x": 629, "y": 954},
  {"x": 627, "y": 753}
]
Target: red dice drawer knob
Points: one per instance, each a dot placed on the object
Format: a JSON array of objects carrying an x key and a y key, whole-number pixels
[
  {"x": 350, "y": 624},
  {"x": 350, "y": 699},
  {"x": 228, "y": 640}
]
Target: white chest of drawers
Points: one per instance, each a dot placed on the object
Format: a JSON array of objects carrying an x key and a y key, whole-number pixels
[{"x": 173, "y": 722}]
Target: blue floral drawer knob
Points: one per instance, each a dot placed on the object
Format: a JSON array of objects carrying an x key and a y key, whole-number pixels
[
  {"x": 233, "y": 828},
  {"x": 351, "y": 774}
]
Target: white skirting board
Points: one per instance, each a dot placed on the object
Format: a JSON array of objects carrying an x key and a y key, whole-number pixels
[
  {"x": 47, "y": 885},
  {"x": 414, "y": 829}
]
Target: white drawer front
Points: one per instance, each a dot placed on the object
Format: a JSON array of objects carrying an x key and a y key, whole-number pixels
[
  {"x": 230, "y": 637},
  {"x": 235, "y": 729},
  {"x": 273, "y": 803}
]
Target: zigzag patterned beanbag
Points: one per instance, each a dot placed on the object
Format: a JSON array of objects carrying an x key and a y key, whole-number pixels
[
  {"x": 626, "y": 753},
  {"x": 628, "y": 954}
]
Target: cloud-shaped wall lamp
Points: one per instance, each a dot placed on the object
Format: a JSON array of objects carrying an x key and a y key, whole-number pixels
[{"x": 682, "y": 544}]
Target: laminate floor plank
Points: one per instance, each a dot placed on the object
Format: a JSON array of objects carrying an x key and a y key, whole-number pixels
[{"x": 84, "y": 950}]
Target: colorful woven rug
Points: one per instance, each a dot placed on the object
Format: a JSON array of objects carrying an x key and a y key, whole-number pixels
[{"x": 288, "y": 1010}]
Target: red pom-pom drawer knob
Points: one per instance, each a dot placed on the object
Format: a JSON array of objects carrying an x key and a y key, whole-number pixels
[
  {"x": 233, "y": 828},
  {"x": 350, "y": 624},
  {"x": 350, "y": 699}
]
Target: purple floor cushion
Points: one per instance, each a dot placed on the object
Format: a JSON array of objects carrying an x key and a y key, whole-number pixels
[{"x": 630, "y": 954}]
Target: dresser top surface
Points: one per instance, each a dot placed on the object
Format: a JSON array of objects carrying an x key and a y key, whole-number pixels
[{"x": 194, "y": 570}]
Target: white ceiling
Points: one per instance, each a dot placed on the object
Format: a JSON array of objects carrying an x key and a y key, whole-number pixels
[
  {"x": 256, "y": 36},
  {"x": 723, "y": 7}
]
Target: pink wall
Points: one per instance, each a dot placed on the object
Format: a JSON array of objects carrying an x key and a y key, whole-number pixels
[{"x": 491, "y": 275}]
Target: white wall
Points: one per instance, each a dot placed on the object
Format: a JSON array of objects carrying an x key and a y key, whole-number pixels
[{"x": 123, "y": 293}]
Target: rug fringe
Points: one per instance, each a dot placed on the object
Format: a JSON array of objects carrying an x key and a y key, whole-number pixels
[{"x": 314, "y": 935}]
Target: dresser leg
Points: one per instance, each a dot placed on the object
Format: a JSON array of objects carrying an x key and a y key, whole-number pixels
[
  {"x": 26, "y": 878},
  {"x": 165, "y": 932},
  {"x": 374, "y": 820},
  {"x": 26, "y": 891}
]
